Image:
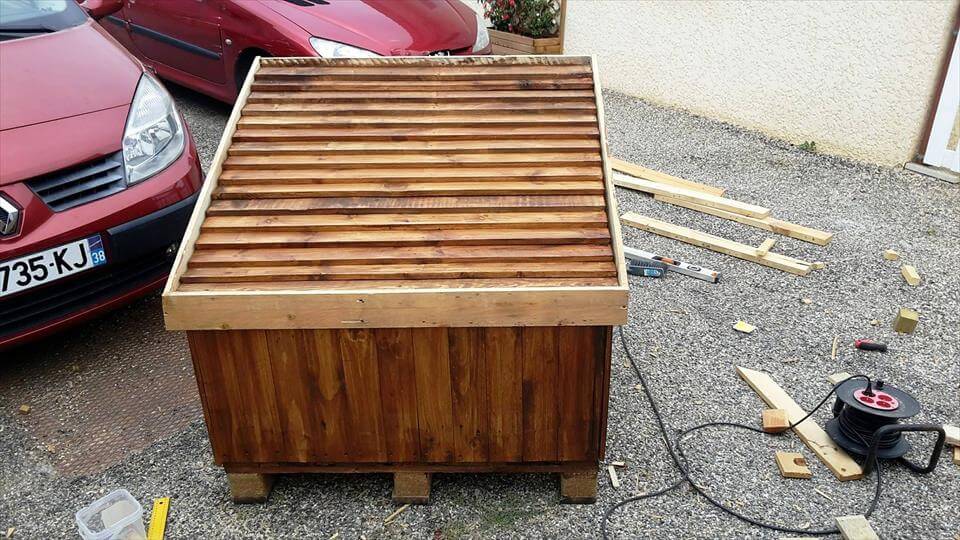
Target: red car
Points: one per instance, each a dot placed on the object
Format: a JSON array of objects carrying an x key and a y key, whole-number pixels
[
  {"x": 98, "y": 173},
  {"x": 208, "y": 45}
]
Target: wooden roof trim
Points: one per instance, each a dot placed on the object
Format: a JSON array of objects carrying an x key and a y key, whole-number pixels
[{"x": 210, "y": 183}]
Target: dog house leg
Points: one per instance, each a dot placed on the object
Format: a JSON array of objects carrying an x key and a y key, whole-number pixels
[
  {"x": 411, "y": 487},
  {"x": 250, "y": 487},
  {"x": 578, "y": 487}
]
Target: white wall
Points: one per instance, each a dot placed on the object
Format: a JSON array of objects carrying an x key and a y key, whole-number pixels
[{"x": 854, "y": 76}]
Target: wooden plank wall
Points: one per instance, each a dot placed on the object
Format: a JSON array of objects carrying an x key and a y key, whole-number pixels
[{"x": 404, "y": 395}]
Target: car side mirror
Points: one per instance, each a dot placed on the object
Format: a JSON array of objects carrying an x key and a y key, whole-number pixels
[{"x": 98, "y": 9}]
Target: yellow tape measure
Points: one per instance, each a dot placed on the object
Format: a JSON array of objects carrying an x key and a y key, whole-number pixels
[{"x": 158, "y": 519}]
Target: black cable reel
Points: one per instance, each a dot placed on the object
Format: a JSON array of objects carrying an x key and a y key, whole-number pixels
[{"x": 866, "y": 422}]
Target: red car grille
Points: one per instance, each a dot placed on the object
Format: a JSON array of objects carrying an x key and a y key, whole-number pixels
[{"x": 80, "y": 184}]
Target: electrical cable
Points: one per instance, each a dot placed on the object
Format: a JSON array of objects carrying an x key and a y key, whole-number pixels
[{"x": 680, "y": 459}]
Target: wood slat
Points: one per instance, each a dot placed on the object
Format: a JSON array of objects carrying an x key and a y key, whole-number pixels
[
  {"x": 428, "y": 96},
  {"x": 541, "y": 418},
  {"x": 468, "y": 373},
  {"x": 239, "y": 274},
  {"x": 400, "y": 189},
  {"x": 374, "y": 205},
  {"x": 434, "y": 394},
  {"x": 401, "y": 108},
  {"x": 397, "y": 368},
  {"x": 401, "y": 255},
  {"x": 320, "y": 162},
  {"x": 388, "y": 221},
  {"x": 416, "y": 120},
  {"x": 416, "y": 133},
  {"x": 419, "y": 73},
  {"x": 504, "y": 352},
  {"x": 457, "y": 237},
  {"x": 324, "y": 85},
  {"x": 366, "y": 439},
  {"x": 408, "y": 147},
  {"x": 410, "y": 176}
]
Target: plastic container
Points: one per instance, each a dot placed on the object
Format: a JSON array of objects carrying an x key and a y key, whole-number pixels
[{"x": 117, "y": 516}]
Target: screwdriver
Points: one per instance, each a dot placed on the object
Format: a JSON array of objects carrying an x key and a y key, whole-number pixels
[{"x": 870, "y": 345}]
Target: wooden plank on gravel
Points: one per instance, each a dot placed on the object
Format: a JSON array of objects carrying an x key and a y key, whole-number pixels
[
  {"x": 716, "y": 243},
  {"x": 839, "y": 461},
  {"x": 800, "y": 232},
  {"x": 694, "y": 196},
  {"x": 661, "y": 177}
]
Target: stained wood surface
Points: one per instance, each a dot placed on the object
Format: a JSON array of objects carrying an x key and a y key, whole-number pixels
[
  {"x": 376, "y": 158},
  {"x": 404, "y": 396}
]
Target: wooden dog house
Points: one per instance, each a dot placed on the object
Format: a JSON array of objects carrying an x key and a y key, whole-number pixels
[{"x": 406, "y": 265}]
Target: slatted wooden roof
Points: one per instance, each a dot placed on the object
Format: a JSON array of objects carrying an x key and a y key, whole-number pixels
[{"x": 407, "y": 175}]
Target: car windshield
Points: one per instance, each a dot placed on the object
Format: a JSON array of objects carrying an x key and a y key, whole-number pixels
[{"x": 22, "y": 18}]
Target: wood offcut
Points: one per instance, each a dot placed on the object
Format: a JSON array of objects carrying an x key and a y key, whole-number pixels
[
  {"x": 856, "y": 528},
  {"x": 793, "y": 465},
  {"x": 775, "y": 420}
]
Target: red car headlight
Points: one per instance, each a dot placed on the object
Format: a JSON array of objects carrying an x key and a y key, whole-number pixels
[{"x": 154, "y": 136}]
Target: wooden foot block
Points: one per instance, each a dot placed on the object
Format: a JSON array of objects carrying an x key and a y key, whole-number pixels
[
  {"x": 578, "y": 488},
  {"x": 411, "y": 487},
  {"x": 775, "y": 420},
  {"x": 956, "y": 455},
  {"x": 250, "y": 487}
]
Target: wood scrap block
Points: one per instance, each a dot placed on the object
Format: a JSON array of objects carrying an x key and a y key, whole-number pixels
[
  {"x": 661, "y": 177},
  {"x": 910, "y": 274},
  {"x": 956, "y": 455},
  {"x": 691, "y": 195},
  {"x": 906, "y": 321},
  {"x": 577, "y": 488},
  {"x": 716, "y": 243},
  {"x": 838, "y": 460},
  {"x": 744, "y": 327},
  {"x": 890, "y": 255},
  {"x": 953, "y": 434},
  {"x": 793, "y": 465},
  {"x": 24, "y": 409},
  {"x": 855, "y": 528},
  {"x": 250, "y": 487},
  {"x": 411, "y": 487},
  {"x": 818, "y": 265},
  {"x": 775, "y": 420},
  {"x": 838, "y": 378},
  {"x": 807, "y": 234},
  {"x": 765, "y": 247},
  {"x": 614, "y": 477}
]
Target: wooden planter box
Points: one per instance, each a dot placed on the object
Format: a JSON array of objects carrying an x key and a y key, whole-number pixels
[
  {"x": 392, "y": 269},
  {"x": 507, "y": 43}
]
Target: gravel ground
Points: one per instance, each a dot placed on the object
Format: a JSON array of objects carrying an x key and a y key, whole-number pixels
[{"x": 680, "y": 330}]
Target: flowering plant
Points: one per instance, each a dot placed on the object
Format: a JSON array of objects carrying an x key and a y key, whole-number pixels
[{"x": 531, "y": 18}]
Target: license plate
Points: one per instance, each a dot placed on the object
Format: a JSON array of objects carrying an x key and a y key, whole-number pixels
[{"x": 50, "y": 265}]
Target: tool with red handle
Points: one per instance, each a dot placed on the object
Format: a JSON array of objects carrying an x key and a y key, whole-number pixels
[{"x": 870, "y": 345}]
